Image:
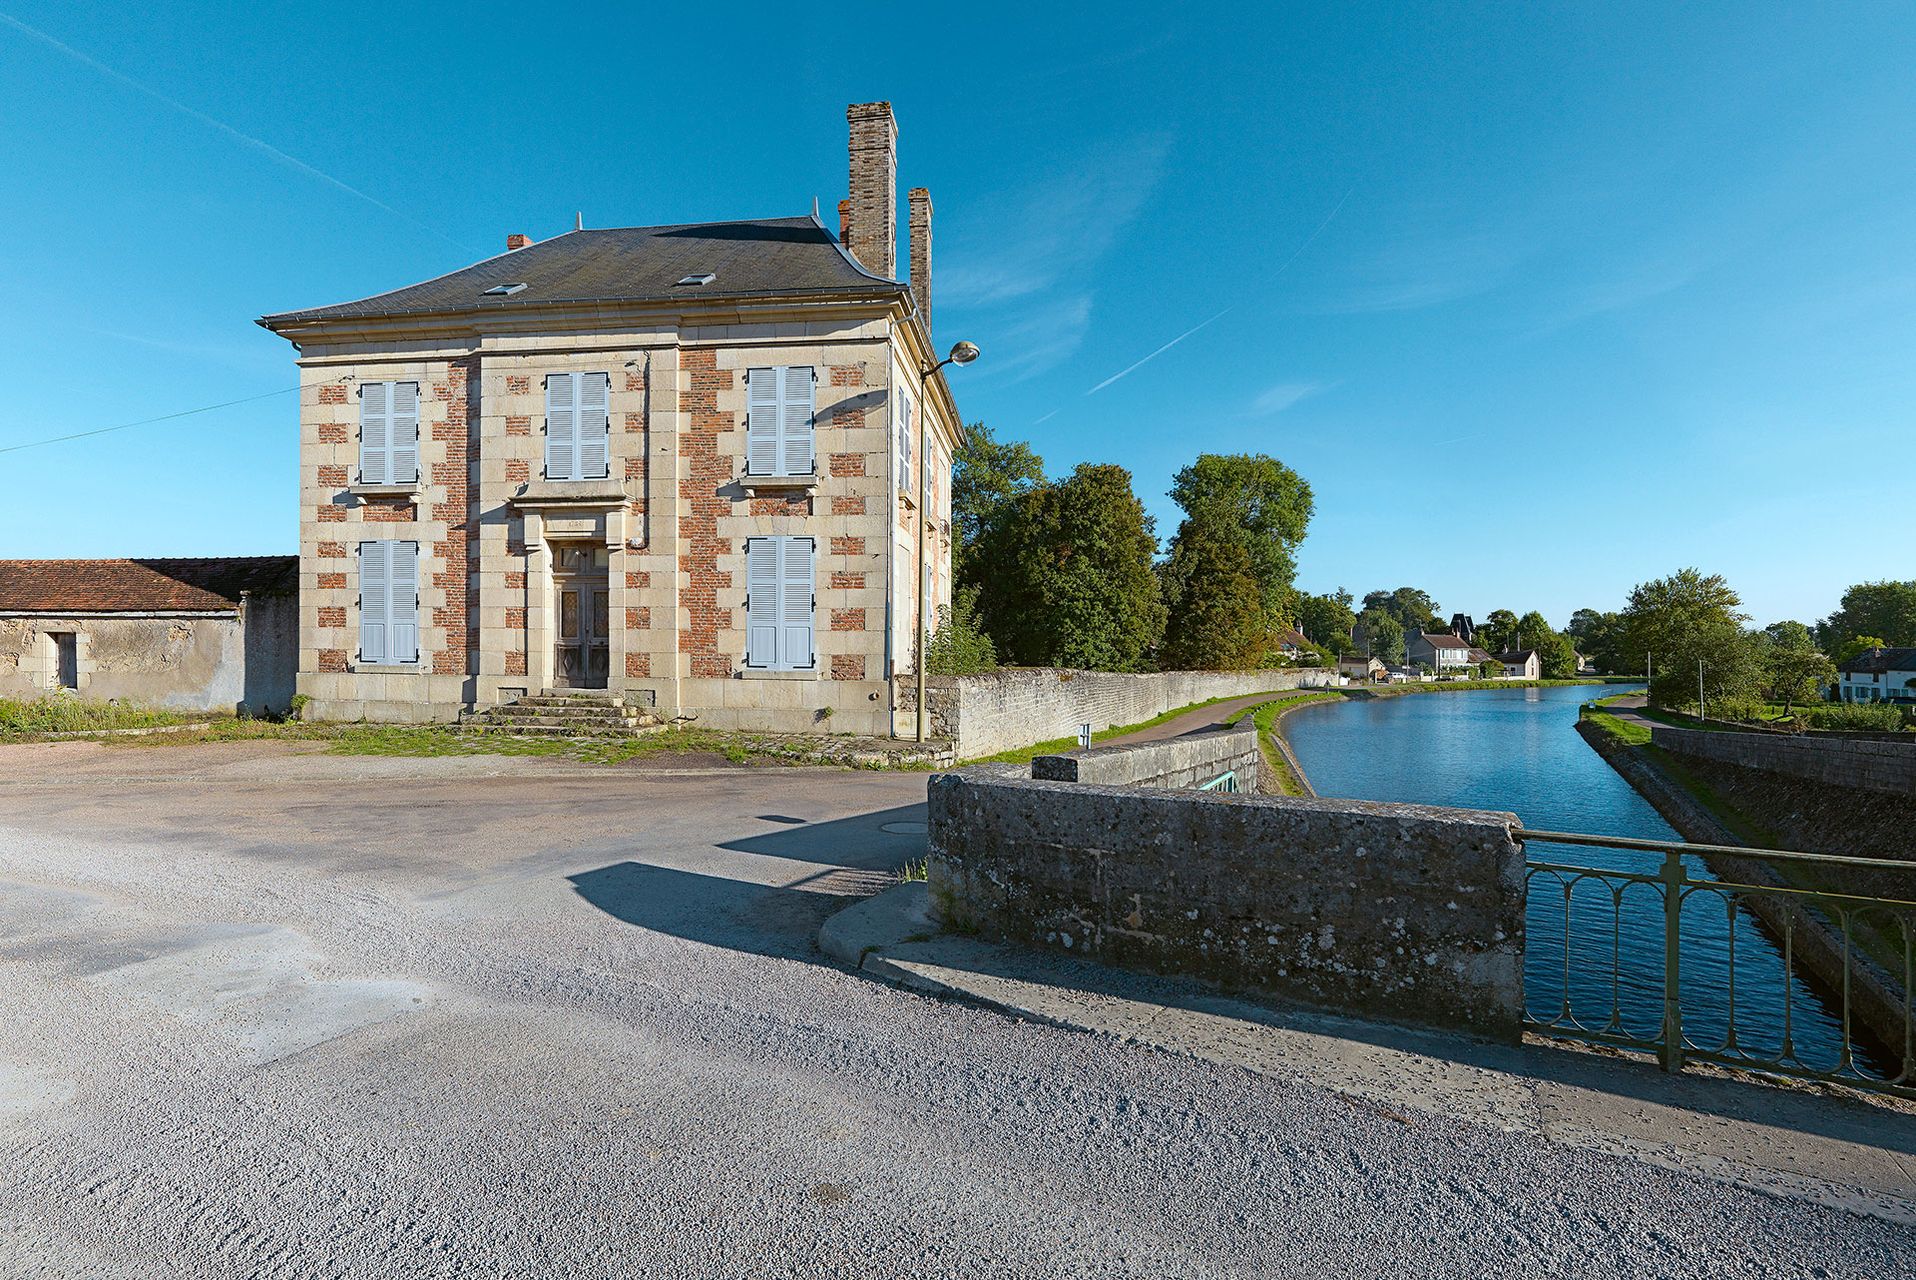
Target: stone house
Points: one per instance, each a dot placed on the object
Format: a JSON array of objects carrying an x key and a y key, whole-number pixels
[
  {"x": 1521, "y": 664},
  {"x": 683, "y": 463},
  {"x": 1360, "y": 668},
  {"x": 195, "y": 635},
  {"x": 1439, "y": 653}
]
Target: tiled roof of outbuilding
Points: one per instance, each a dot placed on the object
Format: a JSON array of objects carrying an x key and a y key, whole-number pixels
[
  {"x": 142, "y": 586},
  {"x": 762, "y": 257}
]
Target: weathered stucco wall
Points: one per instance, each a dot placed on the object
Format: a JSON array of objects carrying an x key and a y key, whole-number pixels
[
  {"x": 1016, "y": 707},
  {"x": 1886, "y": 767},
  {"x": 1175, "y": 763},
  {"x": 1400, "y": 911}
]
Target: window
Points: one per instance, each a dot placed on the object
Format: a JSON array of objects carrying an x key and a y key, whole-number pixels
[
  {"x": 578, "y": 427},
  {"x": 389, "y": 433},
  {"x": 389, "y": 602},
  {"x": 779, "y": 421},
  {"x": 905, "y": 445},
  {"x": 779, "y": 601}
]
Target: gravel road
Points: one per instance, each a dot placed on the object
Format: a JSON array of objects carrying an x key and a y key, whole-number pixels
[{"x": 265, "y": 1012}]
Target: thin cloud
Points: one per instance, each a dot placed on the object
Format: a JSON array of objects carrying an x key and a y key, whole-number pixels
[
  {"x": 1046, "y": 418},
  {"x": 245, "y": 139},
  {"x": 1282, "y": 396},
  {"x": 1042, "y": 337},
  {"x": 1128, "y": 370}
]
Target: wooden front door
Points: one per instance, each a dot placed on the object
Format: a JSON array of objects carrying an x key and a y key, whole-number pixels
[{"x": 581, "y": 659}]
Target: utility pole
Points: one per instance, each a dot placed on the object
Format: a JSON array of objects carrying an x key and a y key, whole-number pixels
[{"x": 1699, "y": 688}]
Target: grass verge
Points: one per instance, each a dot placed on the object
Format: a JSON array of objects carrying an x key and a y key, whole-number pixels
[
  {"x": 1052, "y": 747},
  {"x": 38, "y": 716}
]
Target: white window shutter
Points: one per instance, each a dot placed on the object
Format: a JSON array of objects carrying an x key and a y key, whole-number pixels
[
  {"x": 795, "y": 417},
  {"x": 562, "y": 426},
  {"x": 904, "y": 448},
  {"x": 374, "y": 601},
  {"x": 763, "y": 419},
  {"x": 403, "y": 642},
  {"x": 403, "y": 434},
  {"x": 375, "y": 432},
  {"x": 595, "y": 426},
  {"x": 797, "y": 596},
  {"x": 762, "y": 600}
]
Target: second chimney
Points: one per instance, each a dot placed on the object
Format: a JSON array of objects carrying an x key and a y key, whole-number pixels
[
  {"x": 874, "y": 184},
  {"x": 919, "y": 201},
  {"x": 517, "y": 240}
]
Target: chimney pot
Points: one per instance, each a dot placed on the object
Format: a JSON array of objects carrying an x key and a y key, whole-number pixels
[
  {"x": 517, "y": 240},
  {"x": 919, "y": 200},
  {"x": 874, "y": 187}
]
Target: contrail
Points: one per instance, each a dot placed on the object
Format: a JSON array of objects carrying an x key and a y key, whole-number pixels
[
  {"x": 293, "y": 162},
  {"x": 1155, "y": 354},
  {"x": 1328, "y": 219}
]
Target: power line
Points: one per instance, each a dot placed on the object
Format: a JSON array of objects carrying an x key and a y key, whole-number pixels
[{"x": 143, "y": 422}]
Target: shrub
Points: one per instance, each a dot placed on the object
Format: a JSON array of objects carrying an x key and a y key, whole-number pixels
[
  {"x": 1877, "y": 716},
  {"x": 65, "y": 713},
  {"x": 958, "y": 647}
]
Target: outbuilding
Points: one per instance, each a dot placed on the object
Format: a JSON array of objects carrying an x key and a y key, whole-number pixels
[{"x": 191, "y": 634}]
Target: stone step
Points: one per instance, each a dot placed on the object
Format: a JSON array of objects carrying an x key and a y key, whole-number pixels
[
  {"x": 527, "y": 729},
  {"x": 571, "y": 713}
]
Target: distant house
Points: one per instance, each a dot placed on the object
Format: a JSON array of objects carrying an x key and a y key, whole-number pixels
[
  {"x": 1878, "y": 675},
  {"x": 197, "y": 635},
  {"x": 1360, "y": 668},
  {"x": 1479, "y": 656},
  {"x": 1521, "y": 664},
  {"x": 1440, "y": 653},
  {"x": 1292, "y": 642}
]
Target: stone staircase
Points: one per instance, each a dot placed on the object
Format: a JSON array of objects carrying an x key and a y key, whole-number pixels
[{"x": 568, "y": 713}]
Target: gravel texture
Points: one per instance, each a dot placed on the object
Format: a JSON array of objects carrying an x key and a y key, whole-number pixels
[{"x": 281, "y": 1015}]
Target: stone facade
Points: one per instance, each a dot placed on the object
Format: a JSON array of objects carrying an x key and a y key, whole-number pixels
[
  {"x": 234, "y": 661},
  {"x": 1887, "y": 768}
]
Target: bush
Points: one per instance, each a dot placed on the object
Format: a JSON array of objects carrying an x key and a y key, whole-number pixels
[
  {"x": 1875, "y": 716},
  {"x": 958, "y": 647},
  {"x": 1738, "y": 708}
]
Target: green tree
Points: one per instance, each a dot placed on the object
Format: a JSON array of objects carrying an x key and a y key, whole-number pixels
[
  {"x": 987, "y": 474},
  {"x": 1266, "y": 504},
  {"x": 1600, "y": 637},
  {"x": 1414, "y": 610},
  {"x": 958, "y": 647},
  {"x": 1855, "y": 646},
  {"x": 1689, "y": 618},
  {"x": 1066, "y": 574},
  {"x": 1498, "y": 632},
  {"x": 1327, "y": 620},
  {"x": 1790, "y": 635},
  {"x": 1793, "y": 673},
  {"x": 1555, "y": 651},
  {"x": 1380, "y": 635},
  {"x": 1886, "y": 609},
  {"x": 1216, "y": 621}
]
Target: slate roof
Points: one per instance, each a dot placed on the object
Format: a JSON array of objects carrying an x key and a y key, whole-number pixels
[
  {"x": 1443, "y": 642},
  {"x": 1515, "y": 657},
  {"x": 762, "y": 257},
  {"x": 142, "y": 586},
  {"x": 1880, "y": 661}
]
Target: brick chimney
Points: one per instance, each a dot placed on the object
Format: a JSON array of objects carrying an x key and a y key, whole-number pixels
[
  {"x": 517, "y": 240},
  {"x": 919, "y": 200},
  {"x": 845, "y": 223},
  {"x": 874, "y": 182}
]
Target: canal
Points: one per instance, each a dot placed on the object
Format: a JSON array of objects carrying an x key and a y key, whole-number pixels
[{"x": 1518, "y": 750}]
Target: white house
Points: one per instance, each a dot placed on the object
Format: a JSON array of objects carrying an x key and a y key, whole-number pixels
[
  {"x": 1521, "y": 664},
  {"x": 1878, "y": 675}
]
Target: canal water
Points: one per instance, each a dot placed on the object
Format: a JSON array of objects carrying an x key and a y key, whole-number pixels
[{"x": 1518, "y": 750}]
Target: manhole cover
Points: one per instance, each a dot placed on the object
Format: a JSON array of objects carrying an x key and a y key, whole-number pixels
[{"x": 904, "y": 828}]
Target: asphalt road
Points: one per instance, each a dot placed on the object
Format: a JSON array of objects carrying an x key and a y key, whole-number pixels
[{"x": 266, "y": 1013}]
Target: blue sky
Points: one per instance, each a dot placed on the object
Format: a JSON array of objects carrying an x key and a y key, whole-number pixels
[{"x": 1542, "y": 300}]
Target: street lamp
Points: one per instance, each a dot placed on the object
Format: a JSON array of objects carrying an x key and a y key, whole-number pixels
[{"x": 961, "y": 353}]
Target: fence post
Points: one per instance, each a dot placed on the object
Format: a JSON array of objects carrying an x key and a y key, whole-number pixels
[{"x": 1672, "y": 876}]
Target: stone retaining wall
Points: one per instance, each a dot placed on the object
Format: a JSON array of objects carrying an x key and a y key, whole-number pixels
[
  {"x": 1174, "y": 763},
  {"x": 1886, "y": 767},
  {"x": 1401, "y": 911},
  {"x": 1018, "y": 706}
]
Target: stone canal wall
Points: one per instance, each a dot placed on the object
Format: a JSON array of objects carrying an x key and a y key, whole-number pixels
[
  {"x": 1888, "y": 768},
  {"x": 1016, "y": 707},
  {"x": 1400, "y": 911},
  {"x": 1183, "y": 762}
]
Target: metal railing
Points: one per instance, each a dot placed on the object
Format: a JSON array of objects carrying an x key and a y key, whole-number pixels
[
  {"x": 1225, "y": 782},
  {"x": 1766, "y": 960}
]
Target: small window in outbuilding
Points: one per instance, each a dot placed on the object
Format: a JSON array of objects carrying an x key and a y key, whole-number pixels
[
  {"x": 66, "y": 660},
  {"x": 502, "y": 290},
  {"x": 705, "y": 277}
]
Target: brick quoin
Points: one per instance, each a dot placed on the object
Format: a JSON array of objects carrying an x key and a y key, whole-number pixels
[
  {"x": 852, "y": 506},
  {"x": 845, "y": 580},
  {"x": 785, "y": 505},
  {"x": 637, "y": 581},
  {"x": 518, "y": 471},
  {"x": 518, "y": 384},
  {"x": 332, "y": 616},
  {"x": 848, "y": 464},
  {"x": 334, "y": 433},
  {"x": 389, "y": 512},
  {"x": 848, "y": 546},
  {"x": 516, "y": 663},
  {"x": 331, "y": 514},
  {"x": 332, "y": 659},
  {"x": 848, "y": 619},
  {"x": 332, "y": 393},
  {"x": 848, "y": 375},
  {"x": 332, "y": 551},
  {"x": 635, "y": 380},
  {"x": 638, "y": 664},
  {"x": 515, "y": 580},
  {"x": 847, "y": 415},
  {"x": 635, "y": 468},
  {"x": 634, "y": 423},
  {"x": 333, "y": 476},
  {"x": 518, "y": 425},
  {"x": 638, "y": 619},
  {"x": 848, "y": 666},
  {"x": 707, "y": 471},
  {"x": 332, "y": 582},
  {"x": 455, "y": 555},
  {"x": 516, "y": 619}
]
